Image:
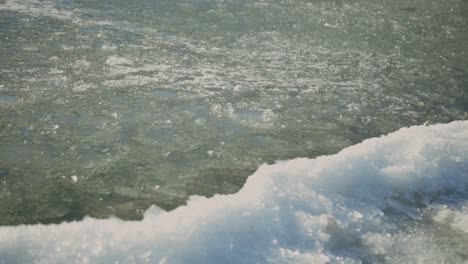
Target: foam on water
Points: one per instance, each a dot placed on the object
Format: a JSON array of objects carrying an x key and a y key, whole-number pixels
[{"x": 398, "y": 198}]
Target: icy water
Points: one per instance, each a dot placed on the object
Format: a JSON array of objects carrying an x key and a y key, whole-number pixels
[{"x": 108, "y": 107}]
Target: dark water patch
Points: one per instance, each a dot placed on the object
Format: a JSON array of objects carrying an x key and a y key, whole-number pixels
[
  {"x": 8, "y": 98},
  {"x": 409, "y": 9},
  {"x": 4, "y": 173},
  {"x": 199, "y": 109},
  {"x": 250, "y": 115}
]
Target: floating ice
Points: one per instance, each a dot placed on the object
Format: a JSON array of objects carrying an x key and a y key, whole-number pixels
[
  {"x": 362, "y": 204},
  {"x": 115, "y": 60}
]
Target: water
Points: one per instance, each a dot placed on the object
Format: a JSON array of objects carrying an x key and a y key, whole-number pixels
[{"x": 109, "y": 107}]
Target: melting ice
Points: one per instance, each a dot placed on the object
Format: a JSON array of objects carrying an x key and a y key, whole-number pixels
[
  {"x": 108, "y": 107},
  {"x": 400, "y": 198}
]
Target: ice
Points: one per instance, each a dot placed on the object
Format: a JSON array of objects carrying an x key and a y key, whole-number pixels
[
  {"x": 74, "y": 178},
  {"x": 115, "y": 60},
  {"x": 275, "y": 84},
  {"x": 457, "y": 219},
  {"x": 343, "y": 208}
]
